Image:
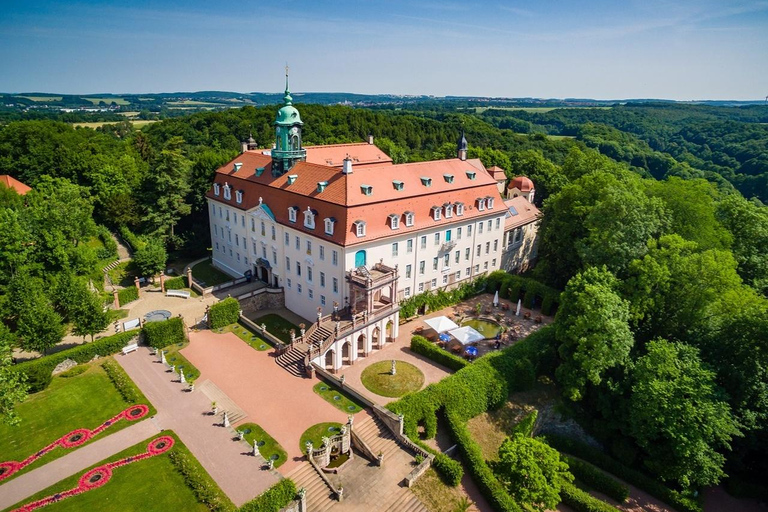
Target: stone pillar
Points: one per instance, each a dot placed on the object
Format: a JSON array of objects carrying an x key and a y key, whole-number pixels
[
  {"x": 401, "y": 420},
  {"x": 162, "y": 281},
  {"x": 138, "y": 286},
  {"x": 189, "y": 277},
  {"x": 302, "y": 500},
  {"x": 116, "y": 299}
]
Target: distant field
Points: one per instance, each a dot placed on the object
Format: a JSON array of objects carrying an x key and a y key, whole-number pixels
[
  {"x": 129, "y": 114},
  {"x": 535, "y": 110},
  {"x": 193, "y": 103},
  {"x": 138, "y": 123},
  {"x": 108, "y": 101},
  {"x": 41, "y": 98}
]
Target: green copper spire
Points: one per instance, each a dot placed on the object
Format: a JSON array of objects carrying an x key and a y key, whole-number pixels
[
  {"x": 287, "y": 150},
  {"x": 287, "y": 98}
]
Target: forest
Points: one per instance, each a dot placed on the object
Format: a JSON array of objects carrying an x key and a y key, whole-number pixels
[{"x": 654, "y": 229}]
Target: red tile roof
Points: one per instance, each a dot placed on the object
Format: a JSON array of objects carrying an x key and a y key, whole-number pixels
[
  {"x": 11, "y": 182},
  {"x": 333, "y": 155},
  {"x": 497, "y": 173},
  {"x": 522, "y": 183},
  {"x": 526, "y": 212}
]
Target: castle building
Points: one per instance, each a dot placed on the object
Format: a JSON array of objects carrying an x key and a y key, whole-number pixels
[{"x": 347, "y": 234}]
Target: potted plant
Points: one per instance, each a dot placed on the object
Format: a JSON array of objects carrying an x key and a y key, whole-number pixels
[{"x": 214, "y": 408}]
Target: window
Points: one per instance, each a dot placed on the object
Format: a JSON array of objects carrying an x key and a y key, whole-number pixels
[
  {"x": 287, "y": 239},
  {"x": 518, "y": 235},
  {"x": 335, "y": 257},
  {"x": 479, "y": 228},
  {"x": 254, "y": 247},
  {"x": 407, "y": 291},
  {"x": 329, "y": 222},
  {"x": 274, "y": 256},
  {"x": 424, "y": 242},
  {"x": 469, "y": 230},
  {"x": 335, "y": 285},
  {"x": 409, "y": 219},
  {"x": 481, "y": 204},
  {"x": 237, "y": 240},
  {"x": 292, "y": 211},
  {"x": 264, "y": 251},
  {"x": 435, "y": 261},
  {"x": 398, "y": 184},
  {"x": 253, "y": 225},
  {"x": 490, "y": 224},
  {"x": 242, "y": 220},
  {"x": 446, "y": 261},
  {"x": 310, "y": 293},
  {"x": 322, "y": 253},
  {"x": 246, "y": 260},
  {"x": 359, "y": 228},
  {"x": 457, "y": 256},
  {"x": 322, "y": 300},
  {"x": 394, "y": 221},
  {"x": 471, "y": 175},
  {"x": 394, "y": 250},
  {"x": 366, "y": 190},
  {"x": 309, "y": 274},
  {"x": 448, "y": 235},
  {"x": 216, "y": 189},
  {"x": 227, "y": 191},
  {"x": 298, "y": 288},
  {"x": 485, "y": 265},
  {"x": 274, "y": 233},
  {"x": 263, "y": 229},
  {"x": 448, "y": 210},
  {"x": 495, "y": 245},
  {"x": 458, "y": 275},
  {"x": 466, "y": 272},
  {"x": 234, "y": 217},
  {"x": 421, "y": 268},
  {"x": 239, "y": 196},
  {"x": 445, "y": 279},
  {"x": 409, "y": 245},
  {"x": 421, "y": 287},
  {"x": 489, "y": 202},
  {"x": 477, "y": 269},
  {"x": 322, "y": 279},
  {"x": 434, "y": 283},
  {"x": 289, "y": 282},
  {"x": 309, "y": 247},
  {"x": 238, "y": 256},
  {"x": 298, "y": 267},
  {"x": 408, "y": 271},
  {"x": 437, "y": 238},
  {"x": 498, "y": 222},
  {"x": 487, "y": 247},
  {"x": 458, "y": 233},
  {"x": 466, "y": 254},
  {"x": 493, "y": 263},
  {"x": 217, "y": 246},
  {"x": 227, "y": 216},
  {"x": 298, "y": 243},
  {"x": 448, "y": 178},
  {"x": 426, "y": 181},
  {"x": 459, "y": 209},
  {"x": 436, "y": 212},
  {"x": 479, "y": 248},
  {"x": 309, "y": 218}
]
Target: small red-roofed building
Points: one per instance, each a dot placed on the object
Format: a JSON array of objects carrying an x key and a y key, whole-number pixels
[
  {"x": 11, "y": 182},
  {"x": 521, "y": 233}
]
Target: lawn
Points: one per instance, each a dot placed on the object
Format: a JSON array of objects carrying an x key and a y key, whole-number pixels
[
  {"x": 337, "y": 398},
  {"x": 436, "y": 495},
  {"x": 268, "y": 447},
  {"x": 278, "y": 326},
  {"x": 116, "y": 314},
  {"x": 378, "y": 379},
  {"x": 246, "y": 335},
  {"x": 123, "y": 274},
  {"x": 152, "y": 484},
  {"x": 316, "y": 433},
  {"x": 68, "y": 403},
  {"x": 173, "y": 356},
  {"x": 207, "y": 275}
]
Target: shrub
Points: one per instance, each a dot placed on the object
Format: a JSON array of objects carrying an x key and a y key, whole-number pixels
[
  {"x": 121, "y": 381},
  {"x": 450, "y": 470},
  {"x": 74, "y": 371},
  {"x": 581, "y": 501},
  {"x": 273, "y": 499},
  {"x": 526, "y": 425},
  {"x": 631, "y": 476},
  {"x": 224, "y": 313},
  {"x": 167, "y": 332},
  {"x": 206, "y": 491},
  {"x": 110, "y": 246},
  {"x": 175, "y": 283},
  {"x": 421, "y": 345},
  {"x": 596, "y": 479},
  {"x": 513, "y": 287},
  {"x": 441, "y": 299},
  {"x": 38, "y": 371},
  {"x": 132, "y": 240},
  {"x": 127, "y": 295}
]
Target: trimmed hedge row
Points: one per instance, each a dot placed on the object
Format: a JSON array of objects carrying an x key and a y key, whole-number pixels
[
  {"x": 421, "y": 345},
  {"x": 534, "y": 294},
  {"x": 526, "y": 425},
  {"x": 175, "y": 283},
  {"x": 122, "y": 382},
  {"x": 110, "y": 246},
  {"x": 38, "y": 371},
  {"x": 167, "y": 332},
  {"x": 273, "y": 499},
  {"x": 596, "y": 479},
  {"x": 224, "y": 313},
  {"x": 205, "y": 490},
  {"x": 581, "y": 501},
  {"x": 134, "y": 241},
  {"x": 127, "y": 295},
  {"x": 631, "y": 476},
  {"x": 441, "y": 299}
]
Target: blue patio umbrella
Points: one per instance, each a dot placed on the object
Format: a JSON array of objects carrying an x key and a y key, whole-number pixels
[
  {"x": 444, "y": 336},
  {"x": 471, "y": 351}
]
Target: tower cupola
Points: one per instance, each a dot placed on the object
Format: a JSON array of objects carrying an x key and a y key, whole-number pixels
[
  {"x": 461, "y": 148},
  {"x": 287, "y": 149}
]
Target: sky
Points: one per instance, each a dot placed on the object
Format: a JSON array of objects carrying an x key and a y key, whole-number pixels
[{"x": 602, "y": 49}]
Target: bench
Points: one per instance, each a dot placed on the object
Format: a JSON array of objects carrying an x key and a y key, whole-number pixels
[
  {"x": 130, "y": 348},
  {"x": 177, "y": 293}
]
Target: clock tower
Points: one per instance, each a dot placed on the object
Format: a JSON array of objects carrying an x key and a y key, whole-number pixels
[{"x": 287, "y": 150}]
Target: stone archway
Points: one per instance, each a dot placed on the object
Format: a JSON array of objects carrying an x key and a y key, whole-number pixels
[
  {"x": 361, "y": 345},
  {"x": 346, "y": 356},
  {"x": 330, "y": 362},
  {"x": 388, "y": 331},
  {"x": 376, "y": 337}
]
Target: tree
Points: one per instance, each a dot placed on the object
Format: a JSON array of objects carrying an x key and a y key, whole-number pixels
[
  {"x": 13, "y": 388},
  {"x": 546, "y": 176},
  {"x": 39, "y": 327},
  {"x": 531, "y": 471},
  {"x": 593, "y": 330},
  {"x": 150, "y": 259},
  {"x": 167, "y": 187},
  {"x": 678, "y": 415},
  {"x": 88, "y": 314},
  {"x": 748, "y": 223}
]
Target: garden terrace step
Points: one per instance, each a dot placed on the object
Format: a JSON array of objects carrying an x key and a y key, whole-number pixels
[
  {"x": 406, "y": 502},
  {"x": 319, "y": 497},
  {"x": 319, "y": 335},
  {"x": 292, "y": 361},
  {"x": 377, "y": 436},
  {"x": 223, "y": 402}
]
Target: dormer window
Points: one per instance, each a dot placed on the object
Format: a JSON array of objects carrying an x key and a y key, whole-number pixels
[
  {"x": 436, "y": 212},
  {"x": 329, "y": 223},
  {"x": 239, "y": 196},
  {"x": 394, "y": 221},
  {"x": 359, "y": 228},
  {"x": 409, "y": 219},
  {"x": 481, "y": 204},
  {"x": 471, "y": 175},
  {"x": 321, "y": 186},
  {"x": 448, "y": 210},
  {"x": 366, "y": 190},
  {"x": 459, "y": 209},
  {"x": 399, "y": 185},
  {"x": 227, "y": 191},
  {"x": 237, "y": 166},
  {"x": 427, "y": 182},
  {"x": 259, "y": 171},
  {"x": 489, "y": 202},
  {"x": 448, "y": 178},
  {"x": 216, "y": 189},
  {"x": 292, "y": 211},
  {"x": 292, "y": 178},
  {"x": 309, "y": 218}
]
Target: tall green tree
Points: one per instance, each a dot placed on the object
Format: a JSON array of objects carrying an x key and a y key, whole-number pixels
[
  {"x": 39, "y": 327},
  {"x": 13, "y": 388},
  {"x": 547, "y": 177},
  {"x": 748, "y": 224},
  {"x": 168, "y": 186},
  {"x": 88, "y": 315},
  {"x": 150, "y": 259}
]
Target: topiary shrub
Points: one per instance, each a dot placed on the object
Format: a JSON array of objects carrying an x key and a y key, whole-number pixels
[
  {"x": 273, "y": 499},
  {"x": 224, "y": 313},
  {"x": 127, "y": 295},
  {"x": 121, "y": 381},
  {"x": 167, "y": 332}
]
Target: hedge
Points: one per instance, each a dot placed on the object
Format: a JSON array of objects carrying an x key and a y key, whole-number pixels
[
  {"x": 110, "y": 246},
  {"x": 164, "y": 333},
  {"x": 122, "y": 382},
  {"x": 38, "y": 371},
  {"x": 441, "y": 299},
  {"x": 132, "y": 240},
  {"x": 581, "y": 501},
  {"x": 224, "y": 313},
  {"x": 514, "y": 287},
  {"x": 421, "y": 345},
  {"x": 205, "y": 489},
  {"x": 74, "y": 371},
  {"x": 631, "y": 476},
  {"x": 526, "y": 425},
  {"x": 595, "y": 479},
  {"x": 273, "y": 499},
  {"x": 127, "y": 295},
  {"x": 175, "y": 283}
]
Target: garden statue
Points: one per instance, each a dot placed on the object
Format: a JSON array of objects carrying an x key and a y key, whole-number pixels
[
  {"x": 240, "y": 435},
  {"x": 309, "y": 448},
  {"x": 182, "y": 379},
  {"x": 191, "y": 387},
  {"x": 270, "y": 464},
  {"x": 393, "y": 371},
  {"x": 162, "y": 357},
  {"x": 303, "y": 329},
  {"x": 214, "y": 408},
  {"x": 226, "y": 420},
  {"x": 173, "y": 368},
  {"x": 342, "y": 379},
  {"x": 256, "y": 448},
  {"x": 293, "y": 335}
]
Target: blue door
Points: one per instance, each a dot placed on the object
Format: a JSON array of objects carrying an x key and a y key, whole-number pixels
[
  {"x": 448, "y": 236},
  {"x": 360, "y": 259}
]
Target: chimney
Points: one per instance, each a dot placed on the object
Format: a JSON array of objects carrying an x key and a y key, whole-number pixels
[
  {"x": 244, "y": 146},
  {"x": 370, "y": 139},
  {"x": 347, "y": 166}
]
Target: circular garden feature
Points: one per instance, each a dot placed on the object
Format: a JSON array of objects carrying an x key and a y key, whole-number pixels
[
  {"x": 316, "y": 433},
  {"x": 378, "y": 378}
]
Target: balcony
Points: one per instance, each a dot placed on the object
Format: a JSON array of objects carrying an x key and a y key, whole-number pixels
[{"x": 447, "y": 246}]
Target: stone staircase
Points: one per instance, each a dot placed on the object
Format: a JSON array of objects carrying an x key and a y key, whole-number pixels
[
  {"x": 319, "y": 497},
  {"x": 223, "y": 402},
  {"x": 293, "y": 360}
]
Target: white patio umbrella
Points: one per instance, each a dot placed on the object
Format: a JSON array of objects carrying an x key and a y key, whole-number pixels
[
  {"x": 519, "y": 304},
  {"x": 496, "y": 299},
  {"x": 441, "y": 323},
  {"x": 466, "y": 335}
]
